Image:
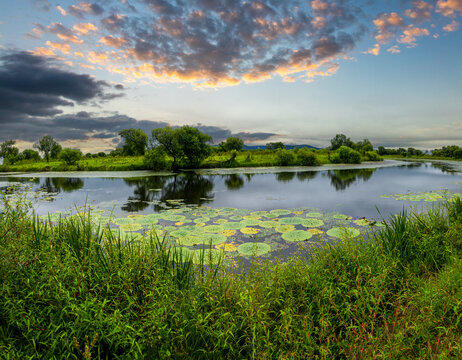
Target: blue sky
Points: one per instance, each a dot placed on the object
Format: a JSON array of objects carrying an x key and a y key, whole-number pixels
[{"x": 293, "y": 71}]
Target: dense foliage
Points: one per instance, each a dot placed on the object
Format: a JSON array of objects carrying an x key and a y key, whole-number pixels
[
  {"x": 70, "y": 156},
  {"x": 346, "y": 155},
  {"x": 49, "y": 147},
  {"x": 134, "y": 142},
  {"x": 71, "y": 292},
  {"x": 232, "y": 143}
]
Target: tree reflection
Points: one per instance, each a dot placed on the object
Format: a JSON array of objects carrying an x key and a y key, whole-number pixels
[
  {"x": 285, "y": 176},
  {"x": 234, "y": 182},
  {"x": 190, "y": 188},
  {"x": 306, "y": 175},
  {"x": 58, "y": 184},
  {"x": 342, "y": 179}
]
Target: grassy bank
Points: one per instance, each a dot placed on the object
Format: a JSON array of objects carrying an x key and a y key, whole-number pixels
[
  {"x": 246, "y": 158},
  {"x": 68, "y": 293}
]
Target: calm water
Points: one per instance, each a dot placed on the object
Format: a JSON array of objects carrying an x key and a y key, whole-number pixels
[{"x": 356, "y": 192}]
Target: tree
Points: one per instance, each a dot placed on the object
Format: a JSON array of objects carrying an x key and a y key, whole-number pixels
[
  {"x": 135, "y": 142},
  {"x": 29, "y": 154},
  {"x": 285, "y": 157},
  {"x": 232, "y": 143},
  {"x": 363, "y": 146},
  {"x": 70, "y": 156},
  {"x": 8, "y": 151},
  {"x": 306, "y": 157},
  {"x": 340, "y": 140},
  {"x": 186, "y": 144},
  {"x": 346, "y": 155},
  {"x": 48, "y": 146},
  {"x": 275, "y": 145},
  {"x": 193, "y": 144}
]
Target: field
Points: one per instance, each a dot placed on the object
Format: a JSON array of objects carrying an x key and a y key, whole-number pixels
[
  {"x": 247, "y": 158},
  {"x": 70, "y": 290}
]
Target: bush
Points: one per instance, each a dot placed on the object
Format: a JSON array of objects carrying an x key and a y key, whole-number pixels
[
  {"x": 156, "y": 159},
  {"x": 70, "y": 156},
  {"x": 306, "y": 157},
  {"x": 285, "y": 157},
  {"x": 346, "y": 155},
  {"x": 373, "y": 156}
]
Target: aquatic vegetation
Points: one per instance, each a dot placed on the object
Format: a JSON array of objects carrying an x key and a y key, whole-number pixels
[
  {"x": 253, "y": 249},
  {"x": 249, "y": 231},
  {"x": 343, "y": 232},
  {"x": 232, "y": 226},
  {"x": 212, "y": 228},
  {"x": 180, "y": 233},
  {"x": 220, "y": 221},
  {"x": 130, "y": 227},
  {"x": 228, "y": 247},
  {"x": 228, "y": 232},
  {"x": 201, "y": 220},
  {"x": 362, "y": 222},
  {"x": 430, "y": 196},
  {"x": 297, "y": 235},
  {"x": 284, "y": 228},
  {"x": 316, "y": 231},
  {"x": 236, "y": 218},
  {"x": 212, "y": 239},
  {"x": 314, "y": 214},
  {"x": 341, "y": 217},
  {"x": 270, "y": 224},
  {"x": 206, "y": 256},
  {"x": 311, "y": 223},
  {"x": 279, "y": 212},
  {"x": 293, "y": 220},
  {"x": 122, "y": 221}
]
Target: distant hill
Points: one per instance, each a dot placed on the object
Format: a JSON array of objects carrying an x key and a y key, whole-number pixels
[{"x": 288, "y": 147}]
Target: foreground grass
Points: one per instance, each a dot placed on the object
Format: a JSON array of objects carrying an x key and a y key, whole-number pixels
[{"x": 68, "y": 293}]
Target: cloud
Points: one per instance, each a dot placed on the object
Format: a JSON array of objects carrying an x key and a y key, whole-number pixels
[
  {"x": 374, "y": 50},
  {"x": 387, "y": 25},
  {"x": 410, "y": 35},
  {"x": 453, "y": 26},
  {"x": 449, "y": 7},
  {"x": 32, "y": 85},
  {"x": 83, "y": 8},
  {"x": 211, "y": 43},
  {"x": 85, "y": 28},
  {"x": 394, "y": 49},
  {"x": 420, "y": 11}
]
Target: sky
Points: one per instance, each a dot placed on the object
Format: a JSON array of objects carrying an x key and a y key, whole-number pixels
[{"x": 296, "y": 71}]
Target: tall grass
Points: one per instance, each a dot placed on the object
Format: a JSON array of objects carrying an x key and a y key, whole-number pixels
[{"x": 75, "y": 291}]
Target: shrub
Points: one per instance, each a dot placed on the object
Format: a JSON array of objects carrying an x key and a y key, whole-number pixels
[
  {"x": 346, "y": 155},
  {"x": 70, "y": 156},
  {"x": 156, "y": 159},
  {"x": 285, "y": 157},
  {"x": 373, "y": 156},
  {"x": 306, "y": 157}
]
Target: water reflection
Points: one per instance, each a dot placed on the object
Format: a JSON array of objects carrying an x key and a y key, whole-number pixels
[
  {"x": 156, "y": 190},
  {"x": 234, "y": 182},
  {"x": 56, "y": 185},
  {"x": 342, "y": 179},
  {"x": 306, "y": 175},
  {"x": 285, "y": 176}
]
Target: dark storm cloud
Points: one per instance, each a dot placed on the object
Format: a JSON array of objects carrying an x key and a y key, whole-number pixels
[{"x": 35, "y": 86}]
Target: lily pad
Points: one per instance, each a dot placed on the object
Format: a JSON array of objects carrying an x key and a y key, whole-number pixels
[
  {"x": 279, "y": 212},
  {"x": 232, "y": 226},
  {"x": 259, "y": 213},
  {"x": 341, "y": 217},
  {"x": 342, "y": 232},
  {"x": 297, "y": 235},
  {"x": 173, "y": 217},
  {"x": 254, "y": 249},
  {"x": 228, "y": 247},
  {"x": 228, "y": 233},
  {"x": 249, "y": 231},
  {"x": 249, "y": 222},
  {"x": 122, "y": 221},
  {"x": 180, "y": 233},
  {"x": 270, "y": 224},
  {"x": 220, "y": 221},
  {"x": 312, "y": 223},
  {"x": 362, "y": 222},
  {"x": 284, "y": 228},
  {"x": 201, "y": 220},
  {"x": 213, "y": 239},
  {"x": 291, "y": 220},
  {"x": 130, "y": 227},
  {"x": 212, "y": 228},
  {"x": 235, "y": 218}
]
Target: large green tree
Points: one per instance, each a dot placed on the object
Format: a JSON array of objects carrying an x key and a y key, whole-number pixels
[
  {"x": 185, "y": 144},
  {"x": 275, "y": 145},
  {"x": 340, "y": 140},
  {"x": 135, "y": 142},
  {"x": 48, "y": 146},
  {"x": 232, "y": 143},
  {"x": 8, "y": 151}
]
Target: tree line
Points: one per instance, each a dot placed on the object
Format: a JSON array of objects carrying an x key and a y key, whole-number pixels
[{"x": 186, "y": 146}]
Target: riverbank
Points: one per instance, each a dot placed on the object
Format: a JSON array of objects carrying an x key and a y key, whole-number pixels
[
  {"x": 68, "y": 293},
  {"x": 247, "y": 158}
]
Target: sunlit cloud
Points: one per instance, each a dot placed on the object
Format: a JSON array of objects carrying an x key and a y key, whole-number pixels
[
  {"x": 373, "y": 50},
  {"x": 409, "y": 36},
  {"x": 394, "y": 49},
  {"x": 61, "y": 10},
  {"x": 453, "y": 26},
  {"x": 85, "y": 28},
  {"x": 449, "y": 7},
  {"x": 420, "y": 11}
]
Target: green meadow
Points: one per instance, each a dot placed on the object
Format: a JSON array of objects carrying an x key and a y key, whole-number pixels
[{"x": 72, "y": 287}]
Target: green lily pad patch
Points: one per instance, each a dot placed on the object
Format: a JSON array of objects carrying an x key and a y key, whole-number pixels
[
  {"x": 253, "y": 249},
  {"x": 343, "y": 232},
  {"x": 297, "y": 235}
]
